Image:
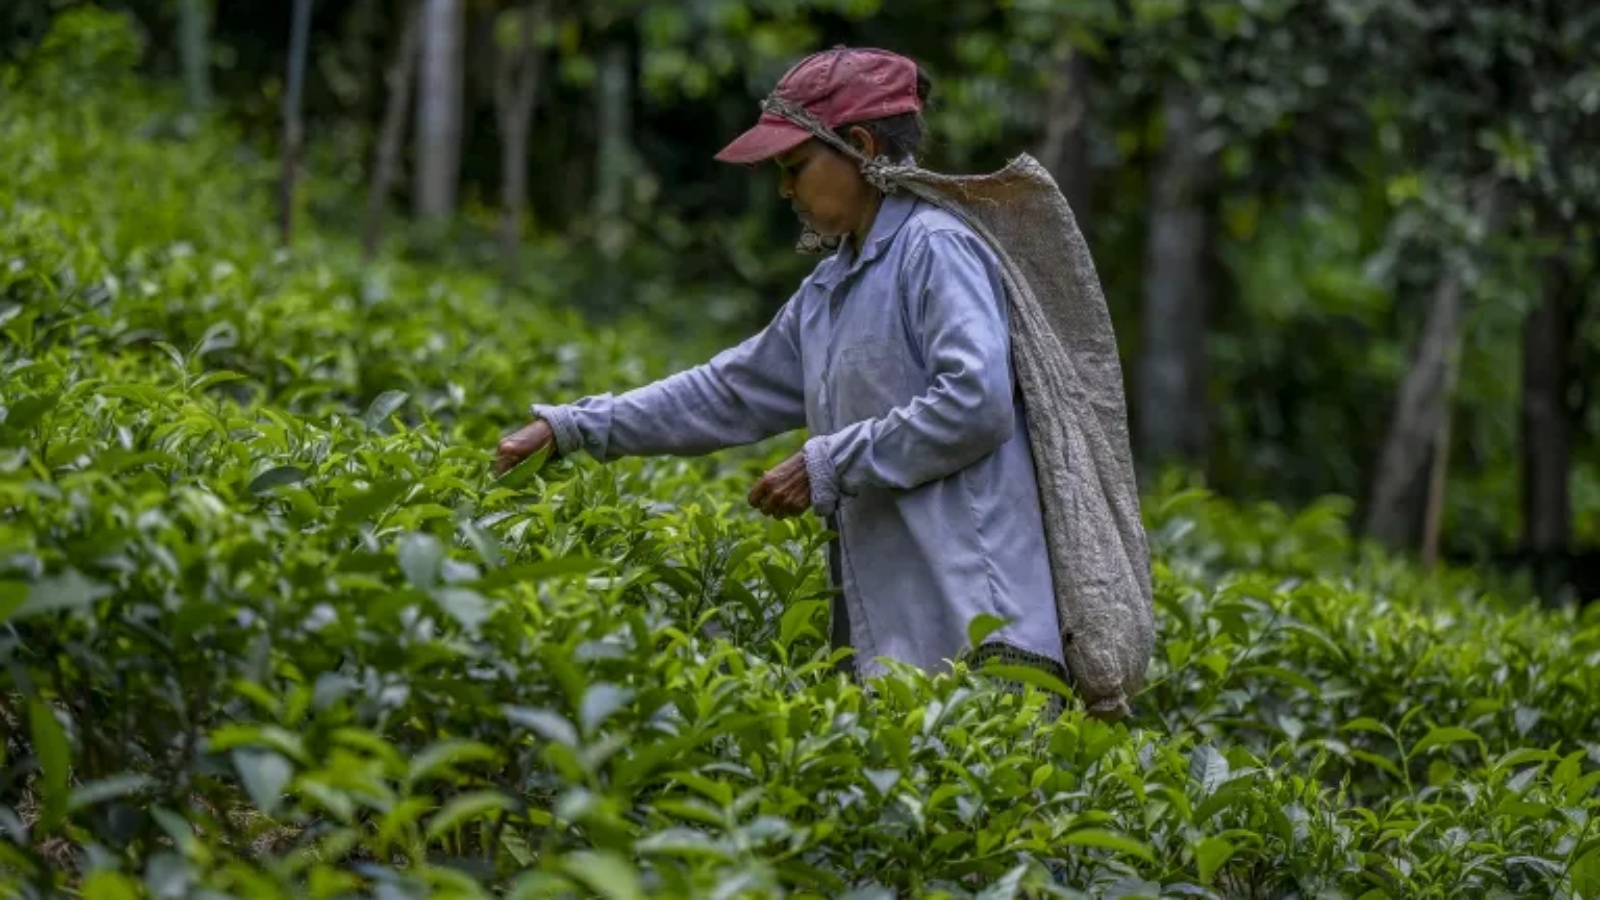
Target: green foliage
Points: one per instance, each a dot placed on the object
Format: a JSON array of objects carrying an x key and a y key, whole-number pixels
[
  {"x": 267, "y": 627},
  {"x": 1348, "y": 137},
  {"x": 86, "y": 48}
]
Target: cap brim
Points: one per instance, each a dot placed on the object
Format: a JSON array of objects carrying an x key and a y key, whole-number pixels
[{"x": 770, "y": 137}]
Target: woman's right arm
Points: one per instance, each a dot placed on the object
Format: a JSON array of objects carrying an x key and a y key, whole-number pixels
[{"x": 742, "y": 395}]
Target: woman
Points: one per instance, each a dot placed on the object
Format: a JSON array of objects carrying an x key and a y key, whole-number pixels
[{"x": 895, "y": 354}]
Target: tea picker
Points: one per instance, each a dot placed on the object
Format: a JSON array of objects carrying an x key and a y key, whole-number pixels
[{"x": 953, "y": 360}]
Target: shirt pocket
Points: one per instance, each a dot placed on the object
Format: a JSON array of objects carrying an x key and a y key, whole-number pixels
[{"x": 872, "y": 378}]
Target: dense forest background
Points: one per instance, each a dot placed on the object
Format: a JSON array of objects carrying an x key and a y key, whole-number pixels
[{"x": 1349, "y": 244}]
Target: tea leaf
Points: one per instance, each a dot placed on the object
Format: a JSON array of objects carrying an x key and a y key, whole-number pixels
[
  {"x": 550, "y": 725},
  {"x": 606, "y": 873},
  {"x": 1208, "y": 767},
  {"x": 520, "y": 475},
  {"x": 1381, "y": 762},
  {"x": 264, "y": 775},
  {"x": 227, "y": 737},
  {"x": 1365, "y": 724},
  {"x": 465, "y": 808},
  {"x": 108, "y": 789},
  {"x": 1585, "y": 874},
  {"x": 24, "y": 412},
  {"x": 440, "y": 759},
  {"x": 467, "y": 607},
  {"x": 883, "y": 780},
  {"x": 485, "y": 543},
  {"x": 69, "y": 590},
  {"x": 981, "y": 626},
  {"x": 600, "y": 701},
  {"x": 382, "y": 407},
  {"x": 799, "y": 619},
  {"x": 212, "y": 379},
  {"x": 1028, "y": 675},
  {"x": 278, "y": 476},
  {"x": 421, "y": 557},
  {"x": 108, "y": 885},
  {"x": 1441, "y": 737},
  {"x": 686, "y": 843},
  {"x": 1210, "y": 855},
  {"x": 1106, "y": 840},
  {"x": 55, "y": 762},
  {"x": 364, "y": 505},
  {"x": 524, "y": 573}
]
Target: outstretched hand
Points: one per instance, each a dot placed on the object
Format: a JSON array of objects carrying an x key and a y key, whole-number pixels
[
  {"x": 522, "y": 444},
  {"x": 785, "y": 491}
]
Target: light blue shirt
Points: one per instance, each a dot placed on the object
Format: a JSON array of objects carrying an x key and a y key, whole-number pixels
[{"x": 898, "y": 362}]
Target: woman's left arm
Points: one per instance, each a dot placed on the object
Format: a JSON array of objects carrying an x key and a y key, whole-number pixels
[{"x": 955, "y": 307}]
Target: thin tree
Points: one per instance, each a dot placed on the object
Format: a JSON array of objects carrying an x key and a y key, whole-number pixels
[
  {"x": 401, "y": 75},
  {"x": 439, "y": 109},
  {"x": 1064, "y": 147},
  {"x": 1420, "y": 425},
  {"x": 614, "y": 163},
  {"x": 1546, "y": 426},
  {"x": 195, "y": 52},
  {"x": 293, "y": 127},
  {"x": 516, "y": 89},
  {"x": 1173, "y": 415}
]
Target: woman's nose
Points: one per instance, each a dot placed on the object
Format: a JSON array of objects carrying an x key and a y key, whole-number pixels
[{"x": 785, "y": 186}]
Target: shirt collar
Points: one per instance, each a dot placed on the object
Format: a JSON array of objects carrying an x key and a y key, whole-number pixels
[{"x": 893, "y": 212}]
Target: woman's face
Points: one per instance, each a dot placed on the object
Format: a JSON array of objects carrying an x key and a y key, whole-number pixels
[{"x": 825, "y": 187}]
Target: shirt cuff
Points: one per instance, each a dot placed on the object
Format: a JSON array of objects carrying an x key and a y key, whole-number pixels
[
  {"x": 824, "y": 478},
  {"x": 566, "y": 431}
]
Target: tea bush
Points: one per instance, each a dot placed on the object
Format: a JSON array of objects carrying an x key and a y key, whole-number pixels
[{"x": 269, "y": 629}]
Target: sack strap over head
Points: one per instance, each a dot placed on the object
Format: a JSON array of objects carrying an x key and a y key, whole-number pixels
[{"x": 882, "y": 173}]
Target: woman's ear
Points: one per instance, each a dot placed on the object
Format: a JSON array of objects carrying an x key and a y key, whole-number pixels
[{"x": 864, "y": 141}]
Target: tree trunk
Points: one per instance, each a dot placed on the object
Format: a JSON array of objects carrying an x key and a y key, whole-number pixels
[
  {"x": 193, "y": 45},
  {"x": 402, "y": 71},
  {"x": 613, "y": 102},
  {"x": 1419, "y": 414},
  {"x": 1173, "y": 412},
  {"x": 1547, "y": 433},
  {"x": 1064, "y": 150},
  {"x": 1422, "y": 409},
  {"x": 516, "y": 89},
  {"x": 439, "y": 112},
  {"x": 1439, "y": 474},
  {"x": 293, "y": 128}
]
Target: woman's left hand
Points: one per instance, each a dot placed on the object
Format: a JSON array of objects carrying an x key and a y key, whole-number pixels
[{"x": 785, "y": 491}]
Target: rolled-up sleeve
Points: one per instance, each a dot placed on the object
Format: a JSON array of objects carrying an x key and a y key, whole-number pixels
[
  {"x": 744, "y": 394},
  {"x": 954, "y": 299}
]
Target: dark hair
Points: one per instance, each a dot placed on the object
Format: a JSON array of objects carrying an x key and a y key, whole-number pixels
[{"x": 899, "y": 136}]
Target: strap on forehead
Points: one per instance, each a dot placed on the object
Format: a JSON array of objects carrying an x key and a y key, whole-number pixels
[
  {"x": 879, "y": 172},
  {"x": 798, "y": 115}
]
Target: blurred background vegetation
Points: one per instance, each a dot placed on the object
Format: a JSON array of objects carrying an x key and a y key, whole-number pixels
[{"x": 1349, "y": 245}]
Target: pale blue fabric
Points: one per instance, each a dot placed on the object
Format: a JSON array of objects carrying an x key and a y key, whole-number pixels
[{"x": 897, "y": 360}]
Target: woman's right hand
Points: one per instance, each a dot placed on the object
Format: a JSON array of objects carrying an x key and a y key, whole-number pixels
[{"x": 516, "y": 447}]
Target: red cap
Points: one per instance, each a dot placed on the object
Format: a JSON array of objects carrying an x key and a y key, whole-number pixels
[{"x": 838, "y": 86}]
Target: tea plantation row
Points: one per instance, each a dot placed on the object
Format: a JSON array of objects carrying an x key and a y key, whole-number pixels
[{"x": 267, "y": 628}]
